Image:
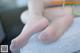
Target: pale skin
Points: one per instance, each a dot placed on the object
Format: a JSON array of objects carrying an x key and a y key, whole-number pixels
[{"x": 38, "y": 18}]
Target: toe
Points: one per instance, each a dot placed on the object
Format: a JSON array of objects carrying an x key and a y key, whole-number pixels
[
  {"x": 13, "y": 45},
  {"x": 27, "y": 32}
]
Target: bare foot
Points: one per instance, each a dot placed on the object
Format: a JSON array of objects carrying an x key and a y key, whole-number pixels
[{"x": 33, "y": 25}]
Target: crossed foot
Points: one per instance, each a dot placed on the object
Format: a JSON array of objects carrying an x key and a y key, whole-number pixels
[{"x": 54, "y": 23}]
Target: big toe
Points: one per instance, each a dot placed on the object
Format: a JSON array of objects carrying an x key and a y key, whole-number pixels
[{"x": 13, "y": 46}]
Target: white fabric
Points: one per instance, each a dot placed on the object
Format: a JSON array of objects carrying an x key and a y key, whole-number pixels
[{"x": 68, "y": 43}]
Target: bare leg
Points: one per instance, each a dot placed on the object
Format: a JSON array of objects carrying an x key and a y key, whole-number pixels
[
  {"x": 34, "y": 24},
  {"x": 61, "y": 19}
]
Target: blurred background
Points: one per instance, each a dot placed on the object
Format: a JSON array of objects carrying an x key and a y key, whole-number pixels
[{"x": 10, "y": 23}]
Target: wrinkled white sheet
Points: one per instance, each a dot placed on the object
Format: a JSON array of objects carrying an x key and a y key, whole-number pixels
[{"x": 68, "y": 43}]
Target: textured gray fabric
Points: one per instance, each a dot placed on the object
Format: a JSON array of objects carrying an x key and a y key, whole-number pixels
[
  {"x": 2, "y": 35},
  {"x": 68, "y": 43}
]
